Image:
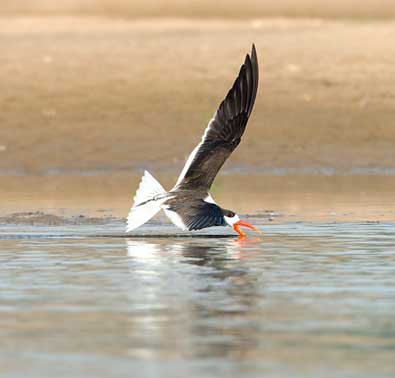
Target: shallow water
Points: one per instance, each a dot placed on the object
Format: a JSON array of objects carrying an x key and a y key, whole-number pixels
[{"x": 303, "y": 300}]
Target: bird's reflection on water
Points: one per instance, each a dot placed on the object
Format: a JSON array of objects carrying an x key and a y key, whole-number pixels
[{"x": 203, "y": 285}]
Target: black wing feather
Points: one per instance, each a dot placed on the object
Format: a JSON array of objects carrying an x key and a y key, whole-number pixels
[
  {"x": 198, "y": 214},
  {"x": 224, "y": 131}
]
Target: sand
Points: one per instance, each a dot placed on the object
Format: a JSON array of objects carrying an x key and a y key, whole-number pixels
[
  {"x": 88, "y": 102},
  {"x": 100, "y": 94},
  {"x": 204, "y": 8}
]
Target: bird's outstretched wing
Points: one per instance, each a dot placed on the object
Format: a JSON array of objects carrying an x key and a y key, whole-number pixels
[{"x": 224, "y": 130}]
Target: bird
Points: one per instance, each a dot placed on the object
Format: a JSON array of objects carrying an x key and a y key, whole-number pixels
[{"x": 189, "y": 204}]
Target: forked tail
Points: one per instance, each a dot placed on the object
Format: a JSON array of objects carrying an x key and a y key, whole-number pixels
[{"x": 146, "y": 203}]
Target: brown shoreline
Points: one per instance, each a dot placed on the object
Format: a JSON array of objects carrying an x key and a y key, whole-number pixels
[{"x": 287, "y": 198}]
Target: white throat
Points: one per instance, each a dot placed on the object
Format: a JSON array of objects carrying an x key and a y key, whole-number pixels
[{"x": 232, "y": 220}]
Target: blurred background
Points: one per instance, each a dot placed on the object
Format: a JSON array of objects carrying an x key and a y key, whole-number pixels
[
  {"x": 205, "y": 8},
  {"x": 95, "y": 91}
]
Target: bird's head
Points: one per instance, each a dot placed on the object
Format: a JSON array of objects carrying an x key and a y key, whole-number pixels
[{"x": 233, "y": 220}]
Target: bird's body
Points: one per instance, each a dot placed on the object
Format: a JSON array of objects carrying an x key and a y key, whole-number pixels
[{"x": 189, "y": 204}]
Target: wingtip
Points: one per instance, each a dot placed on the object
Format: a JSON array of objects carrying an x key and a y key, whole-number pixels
[
  {"x": 247, "y": 61},
  {"x": 254, "y": 57},
  {"x": 254, "y": 61}
]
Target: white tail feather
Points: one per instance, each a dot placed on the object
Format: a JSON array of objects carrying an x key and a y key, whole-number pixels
[
  {"x": 149, "y": 188},
  {"x": 145, "y": 205}
]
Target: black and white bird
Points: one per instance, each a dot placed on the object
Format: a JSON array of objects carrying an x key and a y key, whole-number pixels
[{"x": 189, "y": 204}]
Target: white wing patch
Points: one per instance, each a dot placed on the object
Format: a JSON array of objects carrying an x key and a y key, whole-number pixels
[
  {"x": 193, "y": 154},
  {"x": 210, "y": 199},
  {"x": 175, "y": 218}
]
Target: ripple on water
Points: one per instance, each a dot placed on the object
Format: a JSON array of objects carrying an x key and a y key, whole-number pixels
[{"x": 305, "y": 299}]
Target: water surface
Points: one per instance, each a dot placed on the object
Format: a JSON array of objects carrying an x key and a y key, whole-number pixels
[{"x": 303, "y": 300}]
